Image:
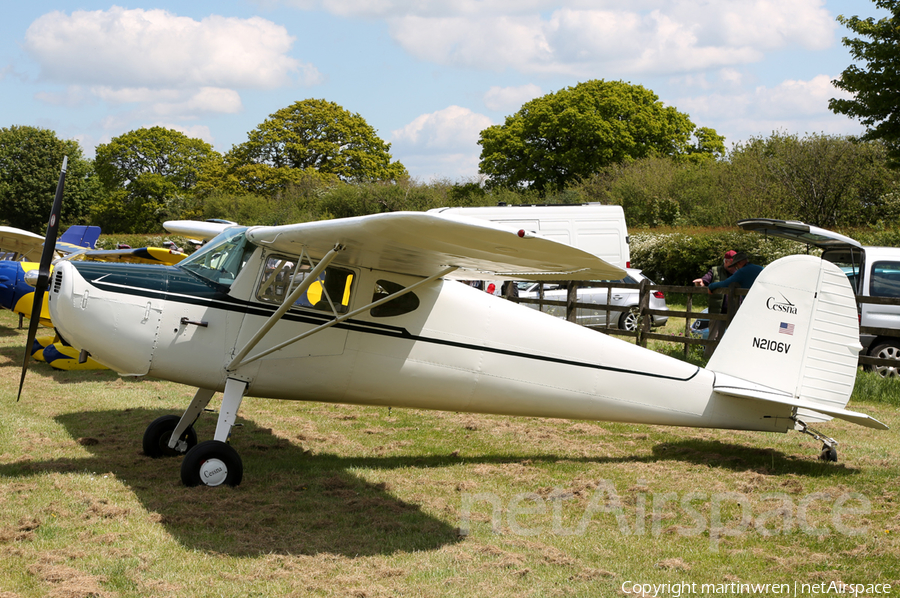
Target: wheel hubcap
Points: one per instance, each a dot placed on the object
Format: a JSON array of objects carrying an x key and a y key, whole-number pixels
[
  {"x": 888, "y": 353},
  {"x": 213, "y": 472}
]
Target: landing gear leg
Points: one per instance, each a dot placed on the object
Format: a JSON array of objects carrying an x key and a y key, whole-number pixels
[
  {"x": 829, "y": 446},
  {"x": 199, "y": 402},
  {"x": 214, "y": 462}
]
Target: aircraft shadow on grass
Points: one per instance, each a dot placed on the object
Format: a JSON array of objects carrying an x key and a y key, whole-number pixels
[
  {"x": 295, "y": 502},
  {"x": 738, "y": 457}
]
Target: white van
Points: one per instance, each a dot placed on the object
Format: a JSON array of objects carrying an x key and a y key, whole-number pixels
[
  {"x": 596, "y": 228},
  {"x": 872, "y": 271}
]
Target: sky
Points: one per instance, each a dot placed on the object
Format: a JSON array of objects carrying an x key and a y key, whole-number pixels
[{"x": 427, "y": 75}]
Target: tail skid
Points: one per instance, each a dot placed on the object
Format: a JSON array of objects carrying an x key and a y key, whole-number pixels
[{"x": 795, "y": 341}]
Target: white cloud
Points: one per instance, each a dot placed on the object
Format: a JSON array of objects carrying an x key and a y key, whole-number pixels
[
  {"x": 381, "y": 9},
  {"x": 793, "y": 98},
  {"x": 169, "y": 66},
  {"x": 450, "y": 129},
  {"x": 584, "y": 37},
  {"x": 443, "y": 142},
  {"x": 792, "y": 105},
  {"x": 790, "y": 99},
  {"x": 510, "y": 99},
  {"x": 154, "y": 48}
]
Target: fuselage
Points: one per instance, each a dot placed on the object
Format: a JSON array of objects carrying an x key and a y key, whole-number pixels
[{"x": 448, "y": 347}]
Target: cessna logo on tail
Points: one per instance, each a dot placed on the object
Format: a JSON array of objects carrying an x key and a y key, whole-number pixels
[{"x": 783, "y": 306}]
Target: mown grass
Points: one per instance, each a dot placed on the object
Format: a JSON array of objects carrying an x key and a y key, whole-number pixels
[{"x": 350, "y": 501}]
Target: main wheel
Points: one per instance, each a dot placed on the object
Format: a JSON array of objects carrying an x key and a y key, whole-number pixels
[
  {"x": 888, "y": 350},
  {"x": 829, "y": 453},
  {"x": 629, "y": 320},
  {"x": 212, "y": 463},
  {"x": 158, "y": 433}
]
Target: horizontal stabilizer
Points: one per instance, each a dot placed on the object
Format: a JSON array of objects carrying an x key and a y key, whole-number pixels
[{"x": 736, "y": 387}]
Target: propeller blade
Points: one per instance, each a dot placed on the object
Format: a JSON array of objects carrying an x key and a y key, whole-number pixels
[{"x": 43, "y": 279}]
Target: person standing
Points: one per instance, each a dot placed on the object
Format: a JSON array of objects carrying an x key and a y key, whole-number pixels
[
  {"x": 745, "y": 273},
  {"x": 718, "y": 303}
]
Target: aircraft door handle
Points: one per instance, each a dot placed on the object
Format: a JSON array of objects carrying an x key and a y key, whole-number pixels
[{"x": 202, "y": 323}]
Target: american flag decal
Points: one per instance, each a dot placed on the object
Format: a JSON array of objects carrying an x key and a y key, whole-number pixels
[{"x": 786, "y": 328}]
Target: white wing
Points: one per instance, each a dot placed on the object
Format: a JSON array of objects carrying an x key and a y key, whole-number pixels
[
  {"x": 421, "y": 244},
  {"x": 200, "y": 229},
  {"x": 16, "y": 240}
]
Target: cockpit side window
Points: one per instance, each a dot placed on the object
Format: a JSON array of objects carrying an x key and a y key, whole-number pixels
[{"x": 282, "y": 274}]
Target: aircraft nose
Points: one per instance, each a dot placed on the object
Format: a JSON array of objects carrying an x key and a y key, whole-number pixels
[{"x": 93, "y": 311}]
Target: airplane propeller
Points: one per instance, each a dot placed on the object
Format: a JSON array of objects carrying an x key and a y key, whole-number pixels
[{"x": 43, "y": 278}]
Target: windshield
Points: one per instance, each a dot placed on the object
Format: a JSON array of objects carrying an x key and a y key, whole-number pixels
[{"x": 221, "y": 259}]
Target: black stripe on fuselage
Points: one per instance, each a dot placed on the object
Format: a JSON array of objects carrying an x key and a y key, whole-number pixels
[{"x": 168, "y": 283}]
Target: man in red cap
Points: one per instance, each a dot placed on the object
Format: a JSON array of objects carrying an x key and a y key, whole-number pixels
[{"x": 718, "y": 303}]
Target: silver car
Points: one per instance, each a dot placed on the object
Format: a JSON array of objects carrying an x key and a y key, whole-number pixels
[{"x": 591, "y": 292}]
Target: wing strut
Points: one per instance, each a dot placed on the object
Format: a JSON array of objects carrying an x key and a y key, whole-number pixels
[
  {"x": 311, "y": 277},
  {"x": 236, "y": 362}
]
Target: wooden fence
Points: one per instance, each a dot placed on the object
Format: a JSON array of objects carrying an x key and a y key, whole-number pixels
[{"x": 644, "y": 331}]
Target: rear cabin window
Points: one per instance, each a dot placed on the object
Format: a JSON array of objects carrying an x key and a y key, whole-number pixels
[
  {"x": 329, "y": 292},
  {"x": 885, "y": 279},
  {"x": 395, "y": 307}
]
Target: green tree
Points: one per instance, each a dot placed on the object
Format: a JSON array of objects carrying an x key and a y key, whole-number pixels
[
  {"x": 30, "y": 162},
  {"x": 875, "y": 81},
  {"x": 562, "y": 137},
  {"x": 709, "y": 145},
  {"x": 825, "y": 180},
  {"x": 321, "y": 136},
  {"x": 150, "y": 175}
]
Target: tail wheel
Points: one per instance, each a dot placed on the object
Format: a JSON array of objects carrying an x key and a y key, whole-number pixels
[
  {"x": 829, "y": 453},
  {"x": 888, "y": 350},
  {"x": 212, "y": 463},
  {"x": 630, "y": 319},
  {"x": 158, "y": 434}
]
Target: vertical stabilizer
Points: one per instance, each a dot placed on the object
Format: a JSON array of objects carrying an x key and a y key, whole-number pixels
[{"x": 797, "y": 331}]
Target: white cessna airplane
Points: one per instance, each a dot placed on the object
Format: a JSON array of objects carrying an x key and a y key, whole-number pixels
[{"x": 366, "y": 311}]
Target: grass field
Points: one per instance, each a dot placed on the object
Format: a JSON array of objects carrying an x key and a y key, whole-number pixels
[{"x": 349, "y": 501}]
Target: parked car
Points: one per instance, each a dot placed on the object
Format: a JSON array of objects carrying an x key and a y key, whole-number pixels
[
  {"x": 872, "y": 271},
  {"x": 591, "y": 292}
]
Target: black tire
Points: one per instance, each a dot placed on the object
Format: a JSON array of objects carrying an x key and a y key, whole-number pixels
[
  {"x": 158, "y": 433},
  {"x": 888, "y": 350},
  {"x": 629, "y": 320},
  {"x": 828, "y": 454},
  {"x": 212, "y": 463}
]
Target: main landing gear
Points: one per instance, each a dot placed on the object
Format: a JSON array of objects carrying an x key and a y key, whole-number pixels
[
  {"x": 829, "y": 445},
  {"x": 211, "y": 463}
]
